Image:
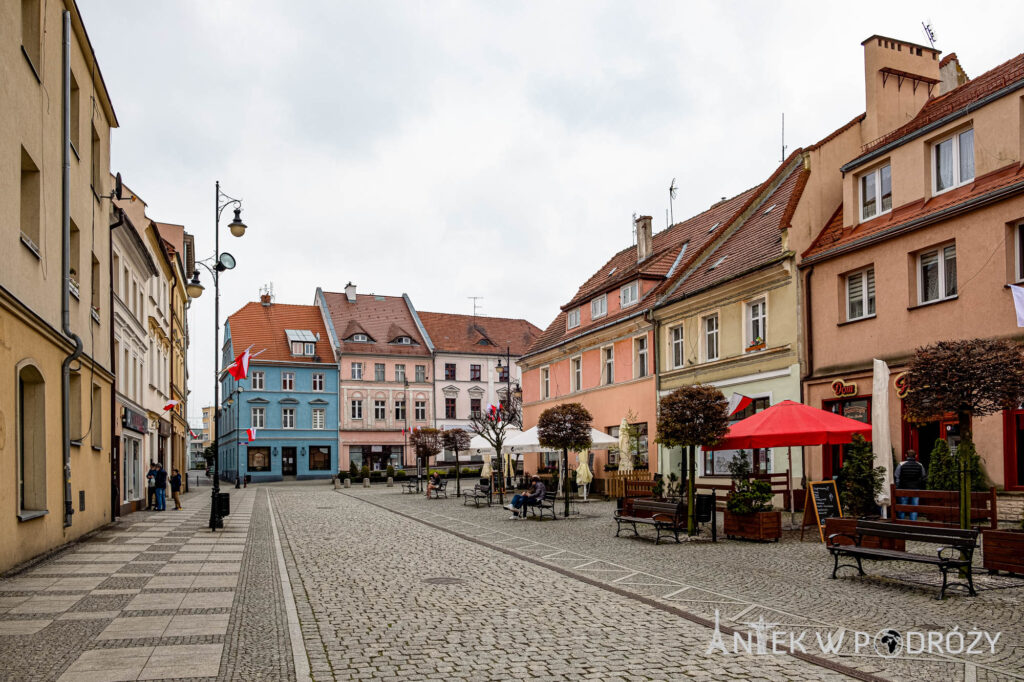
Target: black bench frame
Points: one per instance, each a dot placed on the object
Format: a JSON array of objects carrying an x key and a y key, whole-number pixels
[
  {"x": 409, "y": 486},
  {"x": 961, "y": 542},
  {"x": 439, "y": 490},
  {"x": 479, "y": 492},
  {"x": 669, "y": 517},
  {"x": 537, "y": 510}
]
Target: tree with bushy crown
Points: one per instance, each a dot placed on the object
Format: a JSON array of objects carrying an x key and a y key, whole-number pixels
[
  {"x": 456, "y": 440},
  {"x": 565, "y": 427},
  {"x": 691, "y": 417},
  {"x": 859, "y": 481},
  {"x": 970, "y": 378}
]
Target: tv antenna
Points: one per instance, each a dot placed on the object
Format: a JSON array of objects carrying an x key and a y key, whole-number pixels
[
  {"x": 929, "y": 32},
  {"x": 475, "y": 304},
  {"x": 267, "y": 290},
  {"x": 671, "y": 198},
  {"x": 783, "y": 159}
]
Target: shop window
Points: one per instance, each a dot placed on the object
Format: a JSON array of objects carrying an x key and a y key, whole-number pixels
[
  {"x": 355, "y": 455},
  {"x": 259, "y": 459},
  {"x": 320, "y": 458},
  {"x": 858, "y": 409}
]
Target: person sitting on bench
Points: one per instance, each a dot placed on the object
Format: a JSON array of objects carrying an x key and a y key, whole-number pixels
[
  {"x": 433, "y": 483},
  {"x": 534, "y": 497}
]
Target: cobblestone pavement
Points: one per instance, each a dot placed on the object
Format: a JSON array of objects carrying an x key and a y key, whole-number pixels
[{"x": 785, "y": 583}]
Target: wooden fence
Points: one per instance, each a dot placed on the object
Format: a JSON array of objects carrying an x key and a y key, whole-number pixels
[
  {"x": 615, "y": 483},
  {"x": 942, "y": 507}
]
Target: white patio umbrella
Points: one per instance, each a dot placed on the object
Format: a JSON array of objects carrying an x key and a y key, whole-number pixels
[
  {"x": 625, "y": 456},
  {"x": 529, "y": 441},
  {"x": 583, "y": 474}
]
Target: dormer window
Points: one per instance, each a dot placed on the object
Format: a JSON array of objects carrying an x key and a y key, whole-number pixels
[
  {"x": 953, "y": 161},
  {"x": 599, "y": 307},
  {"x": 572, "y": 319},
  {"x": 302, "y": 342},
  {"x": 876, "y": 192},
  {"x": 404, "y": 340},
  {"x": 629, "y": 294},
  {"x": 360, "y": 338},
  {"x": 296, "y": 348},
  {"x": 483, "y": 342},
  {"x": 310, "y": 349}
]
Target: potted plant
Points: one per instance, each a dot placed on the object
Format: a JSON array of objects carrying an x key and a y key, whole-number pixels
[
  {"x": 756, "y": 344},
  {"x": 748, "y": 510},
  {"x": 859, "y": 483},
  {"x": 1003, "y": 549}
]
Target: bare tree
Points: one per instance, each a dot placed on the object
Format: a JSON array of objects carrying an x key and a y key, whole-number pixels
[
  {"x": 565, "y": 427},
  {"x": 494, "y": 425},
  {"x": 457, "y": 440},
  {"x": 971, "y": 378},
  {"x": 689, "y": 417},
  {"x": 426, "y": 442}
]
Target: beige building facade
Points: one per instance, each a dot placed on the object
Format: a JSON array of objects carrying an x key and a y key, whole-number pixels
[{"x": 57, "y": 481}]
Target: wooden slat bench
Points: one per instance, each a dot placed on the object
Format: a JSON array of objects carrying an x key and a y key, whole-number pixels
[
  {"x": 953, "y": 541},
  {"x": 666, "y": 517},
  {"x": 479, "y": 493}
]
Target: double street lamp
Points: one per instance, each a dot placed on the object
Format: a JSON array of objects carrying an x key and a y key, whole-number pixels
[{"x": 220, "y": 263}]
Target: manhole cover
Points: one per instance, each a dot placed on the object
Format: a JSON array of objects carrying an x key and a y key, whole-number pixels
[
  {"x": 443, "y": 581},
  {"x": 325, "y": 507}
]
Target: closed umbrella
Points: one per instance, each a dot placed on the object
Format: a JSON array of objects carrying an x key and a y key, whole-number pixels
[
  {"x": 485, "y": 471},
  {"x": 583, "y": 474},
  {"x": 625, "y": 455}
]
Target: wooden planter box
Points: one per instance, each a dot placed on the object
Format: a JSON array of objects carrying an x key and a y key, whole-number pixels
[
  {"x": 849, "y": 526},
  {"x": 762, "y": 526},
  {"x": 1003, "y": 550}
]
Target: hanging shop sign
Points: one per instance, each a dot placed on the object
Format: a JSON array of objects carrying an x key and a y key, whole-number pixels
[
  {"x": 901, "y": 385},
  {"x": 136, "y": 421},
  {"x": 842, "y": 389},
  {"x": 165, "y": 428}
]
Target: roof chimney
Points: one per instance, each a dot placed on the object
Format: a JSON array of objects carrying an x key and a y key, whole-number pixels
[
  {"x": 265, "y": 300},
  {"x": 350, "y": 292},
  {"x": 951, "y": 73},
  {"x": 899, "y": 77},
  {"x": 644, "y": 238}
]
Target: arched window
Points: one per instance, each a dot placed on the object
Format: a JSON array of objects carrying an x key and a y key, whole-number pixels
[{"x": 31, "y": 439}]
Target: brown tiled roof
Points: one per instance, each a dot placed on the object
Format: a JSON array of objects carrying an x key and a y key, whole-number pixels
[
  {"x": 173, "y": 234},
  {"x": 462, "y": 333},
  {"x": 263, "y": 327},
  {"x": 835, "y": 235},
  {"x": 836, "y": 133},
  {"x": 757, "y": 242},
  {"x": 936, "y": 108},
  {"x": 380, "y": 317}
]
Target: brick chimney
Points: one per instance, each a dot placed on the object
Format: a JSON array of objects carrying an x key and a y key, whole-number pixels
[
  {"x": 898, "y": 79},
  {"x": 951, "y": 73},
  {"x": 350, "y": 292},
  {"x": 644, "y": 238},
  {"x": 265, "y": 300}
]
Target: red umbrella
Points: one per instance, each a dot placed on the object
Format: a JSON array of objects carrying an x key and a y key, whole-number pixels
[{"x": 789, "y": 423}]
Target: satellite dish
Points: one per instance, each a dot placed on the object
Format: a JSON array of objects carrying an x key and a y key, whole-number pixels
[{"x": 118, "y": 186}]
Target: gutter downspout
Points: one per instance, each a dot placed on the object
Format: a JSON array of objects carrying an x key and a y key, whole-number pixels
[
  {"x": 808, "y": 335},
  {"x": 65, "y": 315},
  {"x": 115, "y": 464},
  {"x": 649, "y": 314}
]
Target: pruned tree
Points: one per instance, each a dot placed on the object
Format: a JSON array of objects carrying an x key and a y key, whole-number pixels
[
  {"x": 456, "y": 440},
  {"x": 426, "y": 442},
  {"x": 565, "y": 427},
  {"x": 691, "y": 417},
  {"x": 971, "y": 378},
  {"x": 494, "y": 424}
]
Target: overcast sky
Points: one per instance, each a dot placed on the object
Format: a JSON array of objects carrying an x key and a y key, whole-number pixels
[{"x": 494, "y": 149}]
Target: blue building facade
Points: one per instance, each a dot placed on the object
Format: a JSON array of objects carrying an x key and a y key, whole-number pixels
[{"x": 290, "y": 396}]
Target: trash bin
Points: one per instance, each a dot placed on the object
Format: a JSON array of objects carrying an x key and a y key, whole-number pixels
[{"x": 223, "y": 504}]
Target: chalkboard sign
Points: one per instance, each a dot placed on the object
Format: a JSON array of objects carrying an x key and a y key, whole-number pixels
[{"x": 823, "y": 498}]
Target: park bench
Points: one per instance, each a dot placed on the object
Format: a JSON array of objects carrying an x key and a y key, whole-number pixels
[
  {"x": 548, "y": 503},
  {"x": 409, "y": 486},
  {"x": 439, "y": 491},
  {"x": 480, "y": 493},
  {"x": 956, "y": 543},
  {"x": 666, "y": 517}
]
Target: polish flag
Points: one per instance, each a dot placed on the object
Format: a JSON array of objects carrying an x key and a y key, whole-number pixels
[
  {"x": 239, "y": 369},
  {"x": 171, "y": 405},
  {"x": 192, "y": 433},
  {"x": 250, "y": 434},
  {"x": 738, "y": 403}
]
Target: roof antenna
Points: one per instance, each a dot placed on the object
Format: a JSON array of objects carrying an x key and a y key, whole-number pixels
[
  {"x": 783, "y": 159},
  {"x": 929, "y": 32},
  {"x": 634, "y": 228},
  {"x": 671, "y": 198},
  {"x": 475, "y": 299},
  {"x": 267, "y": 290}
]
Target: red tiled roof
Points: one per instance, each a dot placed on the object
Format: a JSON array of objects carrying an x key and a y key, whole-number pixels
[
  {"x": 835, "y": 235},
  {"x": 263, "y": 327},
  {"x": 462, "y": 333},
  {"x": 936, "y": 108},
  {"x": 757, "y": 242},
  {"x": 382, "y": 317}
]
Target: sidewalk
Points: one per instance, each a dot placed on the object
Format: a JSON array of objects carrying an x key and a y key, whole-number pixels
[{"x": 147, "y": 598}]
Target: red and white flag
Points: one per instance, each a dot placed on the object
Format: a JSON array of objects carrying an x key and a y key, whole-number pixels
[
  {"x": 239, "y": 369},
  {"x": 738, "y": 403},
  {"x": 1018, "y": 303},
  {"x": 250, "y": 434},
  {"x": 171, "y": 404},
  {"x": 192, "y": 433}
]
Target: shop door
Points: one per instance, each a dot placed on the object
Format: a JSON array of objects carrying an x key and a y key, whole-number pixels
[{"x": 288, "y": 461}]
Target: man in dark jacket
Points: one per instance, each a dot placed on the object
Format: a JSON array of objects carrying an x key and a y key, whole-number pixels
[
  {"x": 910, "y": 475},
  {"x": 176, "y": 488},
  {"x": 534, "y": 497},
  {"x": 160, "y": 481}
]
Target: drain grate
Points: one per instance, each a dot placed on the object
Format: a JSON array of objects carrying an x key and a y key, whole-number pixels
[{"x": 441, "y": 580}]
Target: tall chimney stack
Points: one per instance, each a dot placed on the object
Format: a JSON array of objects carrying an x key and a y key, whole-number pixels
[
  {"x": 265, "y": 300},
  {"x": 644, "y": 238},
  {"x": 898, "y": 79},
  {"x": 350, "y": 292}
]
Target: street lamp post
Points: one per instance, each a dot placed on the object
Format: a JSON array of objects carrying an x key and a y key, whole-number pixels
[
  {"x": 510, "y": 409},
  {"x": 221, "y": 262}
]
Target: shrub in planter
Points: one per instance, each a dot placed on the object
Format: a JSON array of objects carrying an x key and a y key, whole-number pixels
[
  {"x": 748, "y": 512},
  {"x": 353, "y": 470},
  {"x": 364, "y": 472},
  {"x": 400, "y": 475},
  {"x": 390, "y": 471},
  {"x": 859, "y": 481}
]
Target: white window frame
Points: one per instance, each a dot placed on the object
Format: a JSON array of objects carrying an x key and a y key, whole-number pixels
[
  {"x": 420, "y": 410},
  {"x": 572, "y": 318},
  {"x": 258, "y": 417},
  {"x": 297, "y": 348},
  {"x": 356, "y": 371},
  {"x": 641, "y": 351},
  {"x": 877, "y": 173},
  {"x": 257, "y": 381},
  {"x": 608, "y": 363},
  {"x": 288, "y": 418},
  {"x": 309, "y": 349},
  {"x": 355, "y": 407},
  {"x": 318, "y": 382},
  {"x": 705, "y": 335},
  {"x": 955, "y": 146},
  {"x": 380, "y": 410},
  {"x": 400, "y": 409},
  {"x": 940, "y": 252},
  {"x": 677, "y": 345},
  {"x": 576, "y": 372},
  {"x": 287, "y": 381},
  {"x": 360, "y": 338},
  {"x": 863, "y": 272},
  {"x": 599, "y": 307},
  {"x": 748, "y": 321},
  {"x": 545, "y": 382},
  {"x": 319, "y": 419},
  {"x": 629, "y": 294},
  {"x": 400, "y": 373}
]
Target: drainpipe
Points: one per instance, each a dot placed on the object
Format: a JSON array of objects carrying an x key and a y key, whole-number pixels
[
  {"x": 649, "y": 316},
  {"x": 808, "y": 335},
  {"x": 65, "y": 315},
  {"x": 115, "y": 463}
]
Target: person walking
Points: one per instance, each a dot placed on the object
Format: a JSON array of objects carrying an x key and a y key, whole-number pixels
[
  {"x": 160, "y": 482},
  {"x": 151, "y": 487},
  {"x": 910, "y": 475},
  {"x": 176, "y": 488}
]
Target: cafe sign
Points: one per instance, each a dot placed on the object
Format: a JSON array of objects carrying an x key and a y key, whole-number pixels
[
  {"x": 841, "y": 389},
  {"x": 901, "y": 385}
]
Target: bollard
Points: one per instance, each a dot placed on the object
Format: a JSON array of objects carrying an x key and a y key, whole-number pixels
[
  {"x": 348, "y": 482},
  {"x": 366, "y": 483},
  {"x": 337, "y": 483},
  {"x": 391, "y": 481}
]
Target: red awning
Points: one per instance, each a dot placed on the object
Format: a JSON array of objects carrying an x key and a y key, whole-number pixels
[{"x": 789, "y": 423}]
